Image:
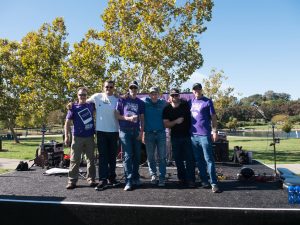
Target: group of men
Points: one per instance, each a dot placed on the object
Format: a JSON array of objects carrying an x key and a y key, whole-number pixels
[{"x": 131, "y": 121}]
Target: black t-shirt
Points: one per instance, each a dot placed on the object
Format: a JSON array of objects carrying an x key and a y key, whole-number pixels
[{"x": 183, "y": 110}]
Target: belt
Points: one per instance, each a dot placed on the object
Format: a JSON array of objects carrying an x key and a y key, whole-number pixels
[
  {"x": 155, "y": 131},
  {"x": 129, "y": 128}
]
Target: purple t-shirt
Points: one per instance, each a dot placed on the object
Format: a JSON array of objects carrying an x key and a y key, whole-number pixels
[
  {"x": 130, "y": 107},
  {"x": 83, "y": 121},
  {"x": 201, "y": 109}
]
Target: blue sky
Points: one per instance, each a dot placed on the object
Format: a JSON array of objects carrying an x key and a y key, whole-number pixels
[{"x": 255, "y": 42}]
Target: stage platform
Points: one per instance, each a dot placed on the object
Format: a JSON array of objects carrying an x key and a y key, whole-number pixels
[{"x": 29, "y": 197}]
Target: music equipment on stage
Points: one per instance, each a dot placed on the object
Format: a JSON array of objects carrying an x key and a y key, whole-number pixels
[{"x": 221, "y": 151}]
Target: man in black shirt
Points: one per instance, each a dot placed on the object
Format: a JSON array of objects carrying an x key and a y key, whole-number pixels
[{"x": 177, "y": 117}]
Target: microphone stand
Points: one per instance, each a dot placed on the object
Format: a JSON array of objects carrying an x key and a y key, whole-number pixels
[{"x": 275, "y": 140}]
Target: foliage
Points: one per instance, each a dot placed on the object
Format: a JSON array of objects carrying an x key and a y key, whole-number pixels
[
  {"x": 222, "y": 97},
  {"x": 232, "y": 124},
  {"x": 287, "y": 127},
  {"x": 281, "y": 118},
  {"x": 43, "y": 85},
  {"x": 154, "y": 42},
  {"x": 10, "y": 66},
  {"x": 86, "y": 65}
]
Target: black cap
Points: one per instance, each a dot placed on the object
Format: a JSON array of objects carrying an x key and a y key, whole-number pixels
[
  {"x": 134, "y": 83},
  {"x": 174, "y": 91},
  {"x": 197, "y": 85}
]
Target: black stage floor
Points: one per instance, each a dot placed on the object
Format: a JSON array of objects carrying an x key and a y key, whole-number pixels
[{"x": 31, "y": 186}]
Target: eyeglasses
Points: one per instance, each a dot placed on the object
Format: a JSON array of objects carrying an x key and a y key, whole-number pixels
[
  {"x": 133, "y": 87},
  {"x": 174, "y": 95},
  {"x": 109, "y": 87},
  {"x": 82, "y": 95}
]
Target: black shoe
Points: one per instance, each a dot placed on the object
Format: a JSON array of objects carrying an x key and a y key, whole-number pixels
[
  {"x": 101, "y": 186},
  {"x": 113, "y": 183},
  {"x": 191, "y": 184},
  {"x": 205, "y": 185}
]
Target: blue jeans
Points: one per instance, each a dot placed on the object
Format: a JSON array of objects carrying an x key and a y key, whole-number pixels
[
  {"x": 202, "y": 147},
  {"x": 156, "y": 140},
  {"x": 131, "y": 148},
  {"x": 107, "y": 143},
  {"x": 182, "y": 151}
]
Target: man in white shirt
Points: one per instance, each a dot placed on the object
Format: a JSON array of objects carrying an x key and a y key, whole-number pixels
[{"x": 107, "y": 128}]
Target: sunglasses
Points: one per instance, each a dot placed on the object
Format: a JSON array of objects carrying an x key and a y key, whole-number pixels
[
  {"x": 83, "y": 95},
  {"x": 174, "y": 95},
  {"x": 133, "y": 87},
  {"x": 109, "y": 87},
  {"x": 197, "y": 89}
]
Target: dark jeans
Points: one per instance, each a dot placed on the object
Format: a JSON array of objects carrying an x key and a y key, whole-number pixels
[
  {"x": 182, "y": 151},
  {"x": 107, "y": 147}
]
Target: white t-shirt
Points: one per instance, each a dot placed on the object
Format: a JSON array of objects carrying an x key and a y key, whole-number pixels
[{"x": 105, "y": 112}]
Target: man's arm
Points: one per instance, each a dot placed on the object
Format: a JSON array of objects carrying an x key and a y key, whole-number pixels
[
  {"x": 67, "y": 131},
  {"x": 127, "y": 118},
  {"x": 170, "y": 124},
  {"x": 214, "y": 124}
]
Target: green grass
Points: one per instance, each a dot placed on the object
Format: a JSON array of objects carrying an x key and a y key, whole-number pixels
[
  {"x": 25, "y": 150},
  {"x": 287, "y": 151},
  {"x": 4, "y": 171}
]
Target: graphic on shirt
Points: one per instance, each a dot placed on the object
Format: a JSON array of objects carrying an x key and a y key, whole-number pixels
[
  {"x": 132, "y": 109},
  {"x": 85, "y": 116},
  {"x": 196, "y": 109}
]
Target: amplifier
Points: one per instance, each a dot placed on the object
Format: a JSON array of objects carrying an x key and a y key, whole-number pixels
[{"x": 221, "y": 151}]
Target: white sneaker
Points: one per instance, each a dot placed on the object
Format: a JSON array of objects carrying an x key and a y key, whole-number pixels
[
  {"x": 153, "y": 179},
  {"x": 128, "y": 187},
  {"x": 161, "y": 182}
]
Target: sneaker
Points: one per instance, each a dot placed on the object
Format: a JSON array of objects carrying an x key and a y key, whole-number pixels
[
  {"x": 161, "y": 182},
  {"x": 205, "y": 185},
  {"x": 70, "y": 186},
  {"x": 113, "y": 183},
  {"x": 137, "y": 182},
  {"x": 191, "y": 184},
  {"x": 153, "y": 179},
  {"x": 128, "y": 187},
  {"x": 215, "y": 189},
  {"x": 92, "y": 183},
  {"x": 101, "y": 186}
]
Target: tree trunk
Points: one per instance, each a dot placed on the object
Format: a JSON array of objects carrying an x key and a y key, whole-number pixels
[{"x": 12, "y": 130}]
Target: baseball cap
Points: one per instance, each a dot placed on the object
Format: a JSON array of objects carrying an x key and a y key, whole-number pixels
[
  {"x": 197, "y": 85},
  {"x": 134, "y": 83},
  {"x": 154, "y": 89},
  {"x": 174, "y": 91}
]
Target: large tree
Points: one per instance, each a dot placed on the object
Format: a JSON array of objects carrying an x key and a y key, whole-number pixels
[
  {"x": 10, "y": 66},
  {"x": 42, "y": 54},
  {"x": 154, "y": 42}
]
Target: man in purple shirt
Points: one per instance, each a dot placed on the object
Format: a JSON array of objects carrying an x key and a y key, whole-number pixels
[
  {"x": 204, "y": 121},
  {"x": 130, "y": 113},
  {"x": 81, "y": 113}
]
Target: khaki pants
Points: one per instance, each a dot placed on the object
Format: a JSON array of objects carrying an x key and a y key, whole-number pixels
[{"x": 79, "y": 146}]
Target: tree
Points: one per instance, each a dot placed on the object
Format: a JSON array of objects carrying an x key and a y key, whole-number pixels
[
  {"x": 154, "y": 42},
  {"x": 43, "y": 85},
  {"x": 222, "y": 97},
  {"x": 10, "y": 66},
  {"x": 287, "y": 127},
  {"x": 86, "y": 65}
]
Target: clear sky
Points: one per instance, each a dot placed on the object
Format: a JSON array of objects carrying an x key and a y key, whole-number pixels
[{"x": 255, "y": 42}]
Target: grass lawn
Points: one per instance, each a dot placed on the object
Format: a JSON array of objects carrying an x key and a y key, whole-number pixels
[
  {"x": 287, "y": 151},
  {"x": 4, "y": 171},
  {"x": 25, "y": 150}
]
